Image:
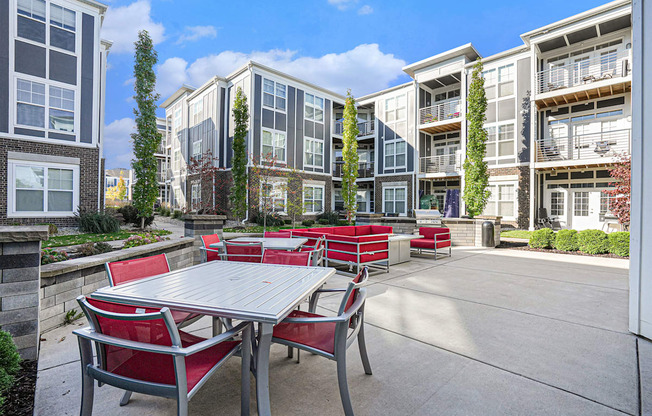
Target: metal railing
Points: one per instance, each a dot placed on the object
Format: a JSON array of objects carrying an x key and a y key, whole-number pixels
[
  {"x": 584, "y": 72},
  {"x": 584, "y": 146},
  {"x": 365, "y": 128},
  {"x": 441, "y": 163},
  {"x": 445, "y": 111},
  {"x": 365, "y": 169}
]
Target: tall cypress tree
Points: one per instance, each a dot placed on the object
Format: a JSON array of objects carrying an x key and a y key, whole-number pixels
[
  {"x": 476, "y": 183},
  {"x": 350, "y": 157},
  {"x": 147, "y": 137},
  {"x": 238, "y": 194}
]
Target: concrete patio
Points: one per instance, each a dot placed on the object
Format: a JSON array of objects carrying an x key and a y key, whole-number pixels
[{"x": 486, "y": 332}]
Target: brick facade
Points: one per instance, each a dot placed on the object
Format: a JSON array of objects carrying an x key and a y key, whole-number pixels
[
  {"x": 88, "y": 177},
  {"x": 523, "y": 193},
  {"x": 378, "y": 191}
]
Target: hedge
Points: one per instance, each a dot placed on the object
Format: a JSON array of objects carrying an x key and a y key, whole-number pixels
[
  {"x": 542, "y": 238},
  {"x": 566, "y": 240},
  {"x": 619, "y": 243},
  {"x": 593, "y": 241}
]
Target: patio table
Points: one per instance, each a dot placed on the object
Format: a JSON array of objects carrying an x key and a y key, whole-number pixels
[
  {"x": 261, "y": 293},
  {"x": 272, "y": 243}
]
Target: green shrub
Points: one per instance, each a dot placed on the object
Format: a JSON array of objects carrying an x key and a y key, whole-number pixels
[
  {"x": 90, "y": 249},
  {"x": 142, "y": 239},
  {"x": 49, "y": 255},
  {"x": 307, "y": 223},
  {"x": 287, "y": 222},
  {"x": 177, "y": 214},
  {"x": 323, "y": 221},
  {"x": 619, "y": 243},
  {"x": 131, "y": 216},
  {"x": 98, "y": 223},
  {"x": 342, "y": 223},
  {"x": 9, "y": 363},
  {"x": 593, "y": 241},
  {"x": 52, "y": 228},
  {"x": 566, "y": 240},
  {"x": 331, "y": 217},
  {"x": 542, "y": 238}
]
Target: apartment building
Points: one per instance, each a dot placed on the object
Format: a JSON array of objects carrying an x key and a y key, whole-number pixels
[
  {"x": 558, "y": 116},
  {"x": 52, "y": 77}
]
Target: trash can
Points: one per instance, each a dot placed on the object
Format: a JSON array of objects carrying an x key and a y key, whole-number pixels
[{"x": 488, "y": 234}]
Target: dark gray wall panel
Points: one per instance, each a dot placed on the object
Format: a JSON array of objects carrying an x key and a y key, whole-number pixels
[
  {"x": 30, "y": 29},
  {"x": 300, "y": 133},
  {"x": 309, "y": 128},
  {"x": 4, "y": 67},
  {"x": 87, "y": 57},
  {"x": 491, "y": 112},
  {"x": 291, "y": 137},
  {"x": 506, "y": 110},
  {"x": 63, "y": 67},
  {"x": 29, "y": 59},
  {"x": 410, "y": 157},
  {"x": 328, "y": 139},
  {"x": 257, "y": 101},
  {"x": 29, "y": 132},
  {"x": 268, "y": 118},
  {"x": 281, "y": 121},
  {"x": 319, "y": 131},
  {"x": 59, "y": 136},
  {"x": 523, "y": 94},
  {"x": 229, "y": 140},
  {"x": 222, "y": 145},
  {"x": 381, "y": 147}
]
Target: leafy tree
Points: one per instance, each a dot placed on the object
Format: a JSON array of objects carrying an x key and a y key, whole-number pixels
[
  {"x": 261, "y": 184},
  {"x": 476, "y": 183},
  {"x": 147, "y": 137},
  {"x": 350, "y": 157},
  {"x": 295, "y": 207},
  {"x": 238, "y": 194},
  {"x": 121, "y": 191},
  {"x": 619, "y": 203},
  {"x": 214, "y": 183}
]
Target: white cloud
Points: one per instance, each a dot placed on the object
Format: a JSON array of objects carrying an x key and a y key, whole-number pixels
[
  {"x": 366, "y": 9},
  {"x": 118, "y": 149},
  {"x": 364, "y": 69},
  {"x": 194, "y": 33},
  {"x": 123, "y": 23},
  {"x": 342, "y": 4}
]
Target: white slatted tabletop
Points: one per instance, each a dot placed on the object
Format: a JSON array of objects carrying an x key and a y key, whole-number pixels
[{"x": 272, "y": 243}]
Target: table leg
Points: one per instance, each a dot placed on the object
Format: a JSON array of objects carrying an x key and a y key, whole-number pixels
[
  {"x": 262, "y": 368},
  {"x": 217, "y": 326}
]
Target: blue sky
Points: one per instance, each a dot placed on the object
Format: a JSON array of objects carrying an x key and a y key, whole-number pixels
[{"x": 338, "y": 44}]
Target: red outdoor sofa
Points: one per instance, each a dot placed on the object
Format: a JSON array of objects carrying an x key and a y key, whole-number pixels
[
  {"x": 354, "y": 246},
  {"x": 435, "y": 239}
]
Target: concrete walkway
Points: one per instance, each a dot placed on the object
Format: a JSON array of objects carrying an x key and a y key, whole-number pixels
[{"x": 486, "y": 332}]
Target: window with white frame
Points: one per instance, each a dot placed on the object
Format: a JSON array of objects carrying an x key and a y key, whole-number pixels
[
  {"x": 176, "y": 160},
  {"x": 313, "y": 199},
  {"x": 274, "y": 143},
  {"x": 501, "y": 201},
  {"x": 196, "y": 148},
  {"x": 31, "y": 20},
  {"x": 274, "y": 94},
  {"x": 314, "y": 152},
  {"x": 62, "y": 27},
  {"x": 395, "y": 200},
  {"x": 501, "y": 142},
  {"x": 31, "y": 109},
  {"x": 274, "y": 196},
  {"x": 557, "y": 205},
  {"x": 30, "y": 103},
  {"x": 581, "y": 204},
  {"x": 42, "y": 189},
  {"x": 195, "y": 195},
  {"x": 395, "y": 108},
  {"x": 314, "y": 108},
  {"x": 62, "y": 109},
  {"x": 177, "y": 119},
  {"x": 395, "y": 146},
  {"x": 395, "y": 154}
]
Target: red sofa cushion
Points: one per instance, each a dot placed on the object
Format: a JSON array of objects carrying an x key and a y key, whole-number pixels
[
  {"x": 429, "y": 233},
  {"x": 363, "y": 230},
  {"x": 381, "y": 229},
  {"x": 347, "y": 230},
  {"x": 428, "y": 243}
]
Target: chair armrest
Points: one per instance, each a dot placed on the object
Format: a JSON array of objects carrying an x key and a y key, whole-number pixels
[
  {"x": 321, "y": 319},
  {"x": 329, "y": 290},
  {"x": 200, "y": 346},
  {"x": 89, "y": 334},
  {"x": 214, "y": 250}
]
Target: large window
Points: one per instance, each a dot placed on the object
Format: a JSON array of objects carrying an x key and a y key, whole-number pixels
[
  {"x": 581, "y": 204},
  {"x": 502, "y": 201},
  {"x": 62, "y": 109},
  {"x": 62, "y": 28},
  {"x": 274, "y": 94},
  {"x": 30, "y": 105},
  {"x": 557, "y": 207},
  {"x": 274, "y": 196},
  {"x": 395, "y": 108},
  {"x": 31, "y": 20},
  {"x": 395, "y": 200},
  {"x": 31, "y": 24},
  {"x": 195, "y": 195},
  {"x": 274, "y": 145},
  {"x": 395, "y": 154},
  {"x": 501, "y": 142},
  {"x": 313, "y": 199},
  {"x": 31, "y": 109},
  {"x": 314, "y": 108},
  {"x": 42, "y": 189},
  {"x": 314, "y": 152}
]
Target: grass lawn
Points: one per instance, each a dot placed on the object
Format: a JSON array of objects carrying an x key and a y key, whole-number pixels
[
  {"x": 71, "y": 240},
  {"x": 516, "y": 234},
  {"x": 259, "y": 228}
]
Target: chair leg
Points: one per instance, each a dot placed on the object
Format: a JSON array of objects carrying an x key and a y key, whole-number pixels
[
  {"x": 344, "y": 385},
  {"x": 363, "y": 350},
  {"x": 125, "y": 398},
  {"x": 290, "y": 352},
  {"x": 86, "y": 352},
  {"x": 245, "y": 386}
]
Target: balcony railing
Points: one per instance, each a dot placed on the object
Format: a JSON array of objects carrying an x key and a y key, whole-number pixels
[
  {"x": 365, "y": 128},
  {"x": 441, "y": 163},
  {"x": 439, "y": 112},
  {"x": 584, "y": 146},
  {"x": 365, "y": 169},
  {"x": 583, "y": 72}
]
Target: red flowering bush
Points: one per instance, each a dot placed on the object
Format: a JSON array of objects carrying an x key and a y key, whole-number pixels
[{"x": 143, "y": 239}]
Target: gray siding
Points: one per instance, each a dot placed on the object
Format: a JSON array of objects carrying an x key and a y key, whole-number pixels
[
  {"x": 229, "y": 128},
  {"x": 223, "y": 105},
  {"x": 328, "y": 139},
  {"x": 300, "y": 133},
  {"x": 63, "y": 67},
  {"x": 380, "y": 150},
  {"x": 4, "y": 67},
  {"x": 523, "y": 94},
  {"x": 291, "y": 136},
  {"x": 257, "y": 105},
  {"x": 29, "y": 59},
  {"x": 87, "y": 57}
]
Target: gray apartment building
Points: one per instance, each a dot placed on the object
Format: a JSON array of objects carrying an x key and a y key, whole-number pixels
[
  {"x": 52, "y": 77},
  {"x": 558, "y": 116}
]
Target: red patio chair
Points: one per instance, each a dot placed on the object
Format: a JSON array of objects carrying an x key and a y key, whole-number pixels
[
  {"x": 317, "y": 251},
  {"x": 295, "y": 258},
  {"x": 141, "y": 350},
  {"x": 209, "y": 254},
  {"x": 249, "y": 252},
  {"x": 331, "y": 336},
  {"x": 278, "y": 234},
  {"x": 125, "y": 271}
]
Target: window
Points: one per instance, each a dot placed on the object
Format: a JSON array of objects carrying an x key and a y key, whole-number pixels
[
  {"x": 395, "y": 154},
  {"x": 41, "y": 189},
  {"x": 31, "y": 20},
  {"x": 581, "y": 204},
  {"x": 195, "y": 195},
  {"x": 395, "y": 200},
  {"x": 273, "y": 94},
  {"x": 502, "y": 201},
  {"x": 506, "y": 140},
  {"x": 506, "y": 80},
  {"x": 32, "y": 8},
  {"x": 313, "y": 199},
  {"x": 395, "y": 108},
  {"x": 275, "y": 193},
  {"x": 314, "y": 152},
  {"x": 557, "y": 204},
  {"x": 314, "y": 108},
  {"x": 177, "y": 119},
  {"x": 606, "y": 201},
  {"x": 196, "y": 149},
  {"x": 177, "y": 160},
  {"x": 62, "y": 109},
  {"x": 62, "y": 28},
  {"x": 197, "y": 112},
  {"x": 491, "y": 142},
  {"x": 274, "y": 145},
  {"x": 30, "y": 106}
]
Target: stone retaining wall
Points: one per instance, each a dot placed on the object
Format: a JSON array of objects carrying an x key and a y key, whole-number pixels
[
  {"x": 62, "y": 283},
  {"x": 196, "y": 225}
]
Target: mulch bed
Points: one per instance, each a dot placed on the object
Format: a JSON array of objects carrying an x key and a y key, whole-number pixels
[
  {"x": 523, "y": 246},
  {"x": 19, "y": 400}
]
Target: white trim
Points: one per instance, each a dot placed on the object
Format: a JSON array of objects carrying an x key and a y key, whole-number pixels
[
  {"x": 323, "y": 198},
  {"x": 388, "y": 185}
]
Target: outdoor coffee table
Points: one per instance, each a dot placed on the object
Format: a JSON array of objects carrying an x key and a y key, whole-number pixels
[
  {"x": 261, "y": 293},
  {"x": 399, "y": 247},
  {"x": 287, "y": 244}
]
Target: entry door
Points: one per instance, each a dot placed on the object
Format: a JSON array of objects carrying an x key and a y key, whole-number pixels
[
  {"x": 585, "y": 210},
  {"x": 556, "y": 204}
]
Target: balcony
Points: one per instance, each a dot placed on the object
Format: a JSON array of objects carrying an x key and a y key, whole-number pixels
[
  {"x": 584, "y": 80},
  {"x": 591, "y": 148},
  {"x": 445, "y": 165},
  {"x": 365, "y": 169},
  {"x": 441, "y": 118},
  {"x": 365, "y": 128}
]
